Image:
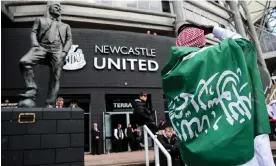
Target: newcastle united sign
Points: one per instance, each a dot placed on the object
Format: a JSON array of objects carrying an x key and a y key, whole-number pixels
[{"x": 125, "y": 58}]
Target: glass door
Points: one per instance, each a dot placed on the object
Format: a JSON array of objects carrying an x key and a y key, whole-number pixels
[
  {"x": 107, "y": 133},
  {"x": 110, "y": 122}
]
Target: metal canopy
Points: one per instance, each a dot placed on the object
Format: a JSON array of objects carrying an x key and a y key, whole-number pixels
[{"x": 263, "y": 12}]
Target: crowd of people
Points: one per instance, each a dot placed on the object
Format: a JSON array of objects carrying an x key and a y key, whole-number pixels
[{"x": 132, "y": 136}]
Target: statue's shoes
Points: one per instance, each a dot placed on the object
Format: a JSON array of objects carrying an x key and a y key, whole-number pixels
[
  {"x": 26, "y": 103},
  {"x": 28, "y": 96}
]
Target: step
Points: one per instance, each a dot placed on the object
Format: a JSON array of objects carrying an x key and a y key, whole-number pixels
[
  {"x": 133, "y": 164},
  {"x": 118, "y": 159}
]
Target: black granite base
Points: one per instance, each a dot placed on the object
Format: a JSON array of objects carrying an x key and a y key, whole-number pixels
[{"x": 56, "y": 137}]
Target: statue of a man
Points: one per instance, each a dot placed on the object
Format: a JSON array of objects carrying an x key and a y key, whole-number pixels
[{"x": 51, "y": 41}]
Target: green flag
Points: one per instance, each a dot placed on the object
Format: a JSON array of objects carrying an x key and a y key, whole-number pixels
[{"x": 216, "y": 102}]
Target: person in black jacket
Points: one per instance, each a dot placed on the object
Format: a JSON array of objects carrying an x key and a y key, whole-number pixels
[
  {"x": 143, "y": 115},
  {"x": 95, "y": 134},
  {"x": 171, "y": 143}
]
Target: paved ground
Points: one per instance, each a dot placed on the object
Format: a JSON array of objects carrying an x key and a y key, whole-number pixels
[
  {"x": 117, "y": 158},
  {"x": 273, "y": 144},
  {"x": 126, "y": 158}
]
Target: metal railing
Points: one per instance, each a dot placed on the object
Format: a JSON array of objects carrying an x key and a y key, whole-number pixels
[
  {"x": 273, "y": 78},
  {"x": 273, "y": 95},
  {"x": 157, "y": 145},
  {"x": 267, "y": 41}
]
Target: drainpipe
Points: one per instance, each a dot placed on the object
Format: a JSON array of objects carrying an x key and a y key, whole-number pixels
[
  {"x": 237, "y": 18},
  {"x": 254, "y": 36},
  {"x": 180, "y": 19}
]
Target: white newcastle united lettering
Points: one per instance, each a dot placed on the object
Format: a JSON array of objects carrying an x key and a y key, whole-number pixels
[
  {"x": 124, "y": 63},
  {"x": 74, "y": 59},
  {"x": 106, "y": 49},
  {"x": 128, "y": 61}
]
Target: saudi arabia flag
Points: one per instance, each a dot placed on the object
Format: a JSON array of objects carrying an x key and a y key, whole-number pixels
[{"x": 216, "y": 102}]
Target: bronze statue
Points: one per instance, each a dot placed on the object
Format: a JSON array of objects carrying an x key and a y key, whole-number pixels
[{"x": 51, "y": 40}]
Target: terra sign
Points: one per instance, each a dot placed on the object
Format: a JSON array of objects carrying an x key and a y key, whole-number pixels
[{"x": 122, "y": 105}]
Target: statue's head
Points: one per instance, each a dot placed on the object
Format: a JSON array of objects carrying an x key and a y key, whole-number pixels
[{"x": 55, "y": 10}]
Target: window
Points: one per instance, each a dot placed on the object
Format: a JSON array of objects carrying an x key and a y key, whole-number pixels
[
  {"x": 98, "y": 1},
  {"x": 155, "y": 6},
  {"x": 151, "y": 5},
  {"x": 144, "y": 5},
  {"x": 107, "y": 2},
  {"x": 119, "y": 3},
  {"x": 132, "y": 3}
]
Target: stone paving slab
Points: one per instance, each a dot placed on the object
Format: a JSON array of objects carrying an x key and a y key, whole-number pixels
[
  {"x": 117, "y": 158},
  {"x": 126, "y": 158},
  {"x": 273, "y": 145}
]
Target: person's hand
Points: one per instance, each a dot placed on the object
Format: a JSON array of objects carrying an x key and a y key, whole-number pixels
[
  {"x": 36, "y": 45},
  {"x": 64, "y": 54},
  {"x": 207, "y": 29}
]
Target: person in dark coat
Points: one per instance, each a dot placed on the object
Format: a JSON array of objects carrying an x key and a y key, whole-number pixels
[
  {"x": 143, "y": 115},
  {"x": 95, "y": 136},
  {"x": 171, "y": 143},
  {"x": 129, "y": 133}
]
